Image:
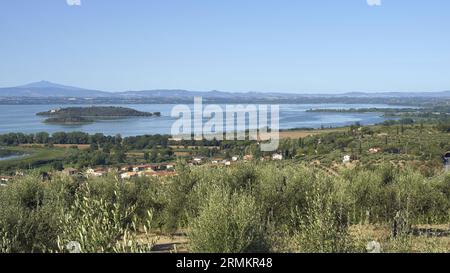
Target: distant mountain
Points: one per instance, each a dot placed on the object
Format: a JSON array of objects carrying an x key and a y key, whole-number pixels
[
  {"x": 46, "y": 89},
  {"x": 164, "y": 93},
  {"x": 47, "y": 84}
]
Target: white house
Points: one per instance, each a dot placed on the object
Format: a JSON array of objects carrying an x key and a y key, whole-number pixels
[
  {"x": 5, "y": 178},
  {"x": 96, "y": 172},
  {"x": 227, "y": 163},
  {"x": 197, "y": 160},
  {"x": 128, "y": 175},
  {"x": 277, "y": 157},
  {"x": 347, "y": 159},
  {"x": 235, "y": 158}
]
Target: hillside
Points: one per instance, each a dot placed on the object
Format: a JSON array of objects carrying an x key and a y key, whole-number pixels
[{"x": 45, "y": 89}]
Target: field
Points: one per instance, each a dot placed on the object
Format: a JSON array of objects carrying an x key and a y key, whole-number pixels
[
  {"x": 299, "y": 133},
  {"x": 35, "y": 157}
]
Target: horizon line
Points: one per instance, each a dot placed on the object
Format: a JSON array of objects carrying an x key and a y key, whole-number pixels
[{"x": 60, "y": 85}]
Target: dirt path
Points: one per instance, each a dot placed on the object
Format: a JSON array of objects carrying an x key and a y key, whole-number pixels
[
  {"x": 171, "y": 244},
  {"x": 295, "y": 134}
]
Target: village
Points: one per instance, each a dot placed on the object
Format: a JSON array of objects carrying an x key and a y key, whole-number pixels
[{"x": 129, "y": 171}]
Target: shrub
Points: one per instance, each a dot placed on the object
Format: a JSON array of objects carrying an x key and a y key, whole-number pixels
[
  {"x": 227, "y": 223},
  {"x": 27, "y": 218},
  {"x": 323, "y": 226},
  {"x": 98, "y": 226}
]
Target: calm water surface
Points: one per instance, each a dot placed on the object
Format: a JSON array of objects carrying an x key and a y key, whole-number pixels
[{"x": 22, "y": 118}]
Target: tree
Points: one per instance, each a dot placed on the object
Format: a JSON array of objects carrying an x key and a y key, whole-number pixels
[
  {"x": 228, "y": 223},
  {"x": 58, "y": 166},
  {"x": 154, "y": 155},
  {"x": 119, "y": 155}
]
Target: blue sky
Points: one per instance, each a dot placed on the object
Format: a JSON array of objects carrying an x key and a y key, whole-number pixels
[{"x": 299, "y": 46}]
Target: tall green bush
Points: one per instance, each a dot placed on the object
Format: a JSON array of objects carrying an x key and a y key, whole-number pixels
[{"x": 227, "y": 223}]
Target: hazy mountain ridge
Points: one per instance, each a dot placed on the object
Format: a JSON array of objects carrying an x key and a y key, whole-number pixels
[
  {"x": 45, "y": 89},
  {"x": 48, "y": 89}
]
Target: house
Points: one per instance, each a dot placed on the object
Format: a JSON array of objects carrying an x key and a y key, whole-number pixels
[
  {"x": 374, "y": 150},
  {"x": 70, "y": 171},
  {"x": 227, "y": 163},
  {"x": 197, "y": 161},
  {"x": 170, "y": 166},
  {"x": 235, "y": 158},
  {"x": 153, "y": 167},
  {"x": 248, "y": 157},
  {"x": 5, "y": 178},
  {"x": 129, "y": 175},
  {"x": 277, "y": 157},
  {"x": 347, "y": 159},
  {"x": 147, "y": 173},
  {"x": 96, "y": 172},
  {"x": 139, "y": 168},
  {"x": 113, "y": 169},
  {"x": 265, "y": 158},
  {"x": 126, "y": 169}
]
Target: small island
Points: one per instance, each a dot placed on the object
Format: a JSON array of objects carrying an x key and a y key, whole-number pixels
[
  {"x": 363, "y": 110},
  {"x": 84, "y": 115}
]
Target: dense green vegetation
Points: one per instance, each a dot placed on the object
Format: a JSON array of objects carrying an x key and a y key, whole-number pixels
[
  {"x": 427, "y": 113},
  {"x": 251, "y": 207},
  {"x": 398, "y": 142},
  {"x": 68, "y": 120},
  {"x": 32, "y": 158},
  {"x": 393, "y": 187},
  {"x": 97, "y": 111},
  {"x": 81, "y": 115},
  {"x": 5, "y": 153},
  {"x": 106, "y": 150},
  {"x": 45, "y": 149}
]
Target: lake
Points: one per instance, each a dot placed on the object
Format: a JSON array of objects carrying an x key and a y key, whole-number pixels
[
  {"x": 9, "y": 157},
  {"x": 22, "y": 118}
]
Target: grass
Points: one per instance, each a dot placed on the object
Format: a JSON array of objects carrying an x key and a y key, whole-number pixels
[
  {"x": 36, "y": 157},
  {"x": 295, "y": 134},
  {"x": 423, "y": 147}
]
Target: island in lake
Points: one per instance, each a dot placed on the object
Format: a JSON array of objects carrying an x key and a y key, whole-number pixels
[{"x": 83, "y": 115}]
